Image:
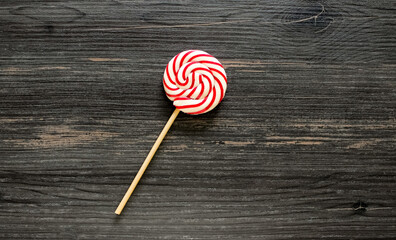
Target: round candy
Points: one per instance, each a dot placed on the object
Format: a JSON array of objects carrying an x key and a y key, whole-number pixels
[{"x": 195, "y": 81}]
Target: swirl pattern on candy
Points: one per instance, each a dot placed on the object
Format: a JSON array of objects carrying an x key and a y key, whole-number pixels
[{"x": 195, "y": 81}]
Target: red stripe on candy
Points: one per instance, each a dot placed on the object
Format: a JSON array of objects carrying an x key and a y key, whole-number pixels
[
  {"x": 185, "y": 55},
  {"x": 202, "y": 89},
  {"x": 173, "y": 89},
  {"x": 210, "y": 104},
  {"x": 174, "y": 65},
  {"x": 177, "y": 95},
  {"x": 169, "y": 78},
  {"x": 200, "y": 55}
]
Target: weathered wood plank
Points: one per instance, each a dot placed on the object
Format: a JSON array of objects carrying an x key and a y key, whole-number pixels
[{"x": 303, "y": 145}]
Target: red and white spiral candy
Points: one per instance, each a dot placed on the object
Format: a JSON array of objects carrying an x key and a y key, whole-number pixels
[{"x": 195, "y": 81}]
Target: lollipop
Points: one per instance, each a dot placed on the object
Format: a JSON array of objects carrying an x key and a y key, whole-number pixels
[{"x": 196, "y": 83}]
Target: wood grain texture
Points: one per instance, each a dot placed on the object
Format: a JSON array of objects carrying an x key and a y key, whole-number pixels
[{"x": 302, "y": 147}]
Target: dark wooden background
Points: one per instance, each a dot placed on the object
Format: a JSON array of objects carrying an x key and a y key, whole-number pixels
[{"x": 302, "y": 147}]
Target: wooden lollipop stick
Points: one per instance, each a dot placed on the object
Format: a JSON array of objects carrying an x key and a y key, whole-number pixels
[{"x": 146, "y": 162}]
